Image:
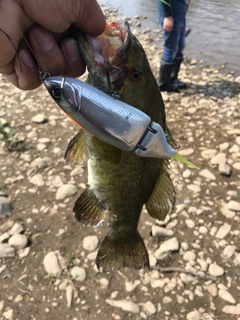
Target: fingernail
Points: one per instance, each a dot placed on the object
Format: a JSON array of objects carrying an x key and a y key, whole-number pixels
[
  {"x": 43, "y": 38},
  {"x": 71, "y": 50},
  {"x": 26, "y": 58}
]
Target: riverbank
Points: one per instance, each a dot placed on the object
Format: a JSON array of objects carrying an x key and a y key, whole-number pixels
[{"x": 199, "y": 242}]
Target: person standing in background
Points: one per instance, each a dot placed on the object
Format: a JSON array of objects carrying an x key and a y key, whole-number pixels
[{"x": 172, "y": 18}]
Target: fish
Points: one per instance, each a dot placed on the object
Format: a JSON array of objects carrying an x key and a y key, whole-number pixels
[{"x": 120, "y": 183}]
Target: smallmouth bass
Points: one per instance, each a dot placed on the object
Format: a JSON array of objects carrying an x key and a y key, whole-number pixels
[{"x": 120, "y": 182}]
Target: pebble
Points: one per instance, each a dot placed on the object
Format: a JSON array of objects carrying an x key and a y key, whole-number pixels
[
  {"x": 229, "y": 251},
  {"x": 78, "y": 273},
  {"x": 190, "y": 223},
  {"x": 233, "y": 205},
  {"x": 18, "y": 241},
  {"x": 194, "y": 315},
  {"x": 225, "y": 295},
  {"x": 208, "y": 154},
  {"x": 51, "y": 264},
  {"x": 16, "y": 229},
  {"x": 189, "y": 255},
  {"x": 167, "y": 246},
  {"x": 104, "y": 282},
  {"x": 4, "y": 236},
  {"x": 130, "y": 286},
  {"x": 37, "y": 180},
  {"x": 187, "y": 173},
  {"x": 186, "y": 152},
  {"x": 6, "y": 250},
  {"x": 8, "y": 315},
  {"x": 76, "y": 172},
  {"x": 65, "y": 191},
  {"x": 125, "y": 305},
  {"x": 39, "y": 118},
  {"x": 235, "y": 310},
  {"x": 90, "y": 243},
  {"x": 215, "y": 270},
  {"x": 166, "y": 300},
  {"x": 224, "y": 169},
  {"x": 41, "y": 163},
  {"x": 5, "y": 206},
  {"x": 194, "y": 188},
  {"x": 207, "y": 174},
  {"x": 220, "y": 157},
  {"x": 149, "y": 308},
  {"x": 236, "y": 165},
  {"x": 158, "y": 231},
  {"x": 223, "y": 231},
  {"x": 212, "y": 289}
]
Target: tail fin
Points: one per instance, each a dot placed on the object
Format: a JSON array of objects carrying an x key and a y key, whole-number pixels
[{"x": 122, "y": 251}]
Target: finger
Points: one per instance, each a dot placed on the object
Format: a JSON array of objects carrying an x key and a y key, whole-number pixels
[
  {"x": 26, "y": 73},
  {"x": 91, "y": 18},
  {"x": 74, "y": 64},
  {"x": 46, "y": 51}
]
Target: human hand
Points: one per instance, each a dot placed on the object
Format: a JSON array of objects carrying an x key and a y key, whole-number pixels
[
  {"x": 44, "y": 25},
  {"x": 168, "y": 24}
]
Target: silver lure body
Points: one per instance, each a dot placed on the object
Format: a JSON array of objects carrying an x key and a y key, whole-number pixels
[{"x": 109, "y": 119}]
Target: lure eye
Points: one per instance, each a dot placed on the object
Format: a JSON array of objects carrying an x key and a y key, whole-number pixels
[
  {"x": 56, "y": 93},
  {"x": 136, "y": 75}
]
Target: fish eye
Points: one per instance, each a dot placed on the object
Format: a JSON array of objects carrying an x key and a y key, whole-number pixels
[
  {"x": 56, "y": 93},
  {"x": 136, "y": 75}
]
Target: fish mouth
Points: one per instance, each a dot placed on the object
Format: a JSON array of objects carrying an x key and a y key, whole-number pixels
[{"x": 104, "y": 55}]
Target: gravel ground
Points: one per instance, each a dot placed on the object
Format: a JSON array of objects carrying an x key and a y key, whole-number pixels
[{"x": 47, "y": 260}]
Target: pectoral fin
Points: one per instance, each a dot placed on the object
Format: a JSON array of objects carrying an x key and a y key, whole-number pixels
[
  {"x": 88, "y": 209},
  {"x": 162, "y": 198},
  {"x": 77, "y": 150}
]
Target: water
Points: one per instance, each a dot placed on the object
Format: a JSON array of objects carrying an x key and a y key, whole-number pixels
[{"x": 215, "y": 36}]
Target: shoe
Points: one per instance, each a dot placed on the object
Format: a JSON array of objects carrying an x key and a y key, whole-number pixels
[
  {"x": 169, "y": 87},
  {"x": 174, "y": 75},
  {"x": 180, "y": 84}
]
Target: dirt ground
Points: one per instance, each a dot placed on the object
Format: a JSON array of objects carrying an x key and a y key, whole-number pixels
[{"x": 202, "y": 118}]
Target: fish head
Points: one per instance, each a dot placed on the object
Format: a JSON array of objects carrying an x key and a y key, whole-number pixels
[{"x": 118, "y": 65}]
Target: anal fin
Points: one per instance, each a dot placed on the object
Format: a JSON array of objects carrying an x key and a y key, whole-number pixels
[
  {"x": 162, "y": 199},
  {"x": 88, "y": 209},
  {"x": 127, "y": 250},
  {"x": 77, "y": 150}
]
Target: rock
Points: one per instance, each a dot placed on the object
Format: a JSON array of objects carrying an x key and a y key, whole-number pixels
[
  {"x": 78, "y": 273},
  {"x": 215, "y": 270},
  {"x": 237, "y": 260},
  {"x": 190, "y": 223},
  {"x": 194, "y": 188},
  {"x": 236, "y": 165},
  {"x": 212, "y": 289},
  {"x": 125, "y": 305},
  {"x": 39, "y": 118},
  {"x": 225, "y": 295},
  {"x": 8, "y": 315},
  {"x": 167, "y": 300},
  {"x": 208, "y": 154},
  {"x": 104, "y": 282},
  {"x": 194, "y": 315},
  {"x": 149, "y": 308},
  {"x": 158, "y": 231},
  {"x": 56, "y": 181},
  {"x": 224, "y": 146},
  {"x": 37, "y": 180},
  {"x": 167, "y": 246},
  {"x": 203, "y": 230},
  {"x": 51, "y": 264},
  {"x": 6, "y": 250},
  {"x": 229, "y": 251},
  {"x": 225, "y": 210},
  {"x": 224, "y": 169},
  {"x": 16, "y": 229},
  {"x": 203, "y": 264},
  {"x": 18, "y": 241},
  {"x": 223, "y": 231},
  {"x": 186, "y": 152},
  {"x": 220, "y": 157},
  {"x": 189, "y": 255},
  {"x": 233, "y": 205},
  {"x": 5, "y": 207},
  {"x": 187, "y": 173},
  {"x": 23, "y": 252},
  {"x": 77, "y": 172},
  {"x": 130, "y": 286},
  {"x": 235, "y": 310},
  {"x": 207, "y": 174},
  {"x": 4, "y": 236},
  {"x": 65, "y": 191},
  {"x": 41, "y": 163},
  {"x": 90, "y": 243}
]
